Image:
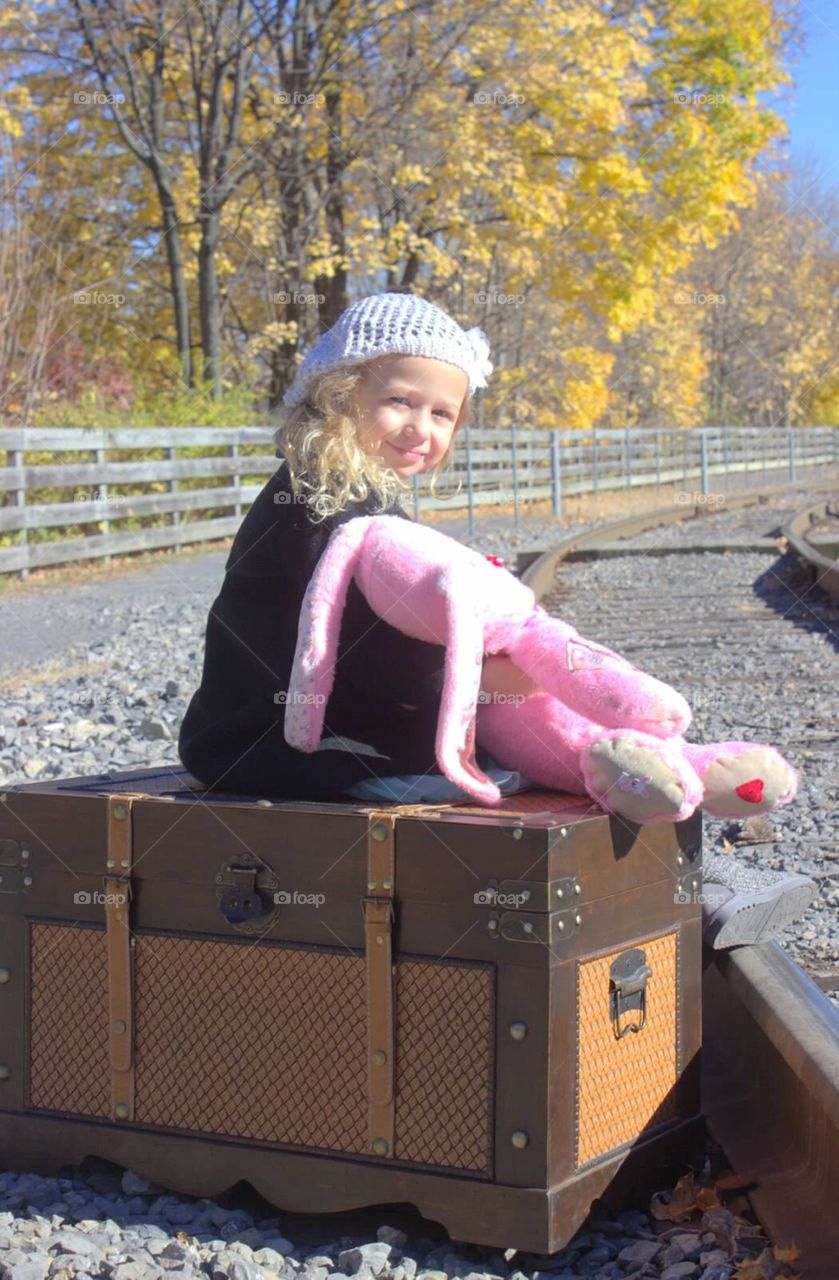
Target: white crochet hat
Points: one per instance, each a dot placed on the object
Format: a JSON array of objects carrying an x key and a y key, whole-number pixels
[{"x": 393, "y": 324}]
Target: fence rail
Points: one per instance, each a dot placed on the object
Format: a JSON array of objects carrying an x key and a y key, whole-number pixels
[{"x": 146, "y": 503}]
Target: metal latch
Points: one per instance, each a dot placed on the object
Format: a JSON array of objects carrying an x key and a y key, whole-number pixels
[
  {"x": 247, "y": 893},
  {"x": 628, "y": 976}
]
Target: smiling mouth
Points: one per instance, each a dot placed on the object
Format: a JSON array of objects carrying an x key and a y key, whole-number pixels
[{"x": 414, "y": 453}]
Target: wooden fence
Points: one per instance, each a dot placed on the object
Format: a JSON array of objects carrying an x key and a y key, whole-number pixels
[{"x": 135, "y": 489}]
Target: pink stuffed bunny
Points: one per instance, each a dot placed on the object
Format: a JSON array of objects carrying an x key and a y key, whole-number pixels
[{"x": 598, "y": 725}]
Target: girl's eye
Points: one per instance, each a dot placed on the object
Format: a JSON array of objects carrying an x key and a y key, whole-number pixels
[{"x": 403, "y": 400}]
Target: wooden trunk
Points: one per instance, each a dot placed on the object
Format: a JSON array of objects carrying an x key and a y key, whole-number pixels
[{"x": 493, "y": 1014}]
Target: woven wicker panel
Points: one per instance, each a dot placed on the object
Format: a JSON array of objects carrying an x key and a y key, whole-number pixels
[
  {"x": 445, "y": 1036},
  {"x": 69, "y": 1066},
  {"x": 625, "y": 1086},
  {"x": 269, "y": 1042},
  {"x": 254, "y": 1041}
]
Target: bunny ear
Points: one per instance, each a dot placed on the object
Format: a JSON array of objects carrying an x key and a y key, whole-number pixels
[
  {"x": 318, "y": 633},
  {"x": 480, "y": 345},
  {"x": 455, "y": 740}
]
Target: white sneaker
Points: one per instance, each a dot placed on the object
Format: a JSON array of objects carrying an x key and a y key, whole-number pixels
[{"x": 743, "y": 905}]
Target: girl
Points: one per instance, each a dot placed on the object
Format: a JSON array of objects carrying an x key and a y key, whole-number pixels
[{"x": 378, "y": 399}]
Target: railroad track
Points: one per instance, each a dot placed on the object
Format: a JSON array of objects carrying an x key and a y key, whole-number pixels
[{"x": 770, "y": 1034}]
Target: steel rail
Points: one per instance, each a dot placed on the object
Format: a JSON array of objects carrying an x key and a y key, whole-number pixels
[{"x": 770, "y": 1053}]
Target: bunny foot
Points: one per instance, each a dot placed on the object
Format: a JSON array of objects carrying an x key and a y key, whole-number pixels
[
  {"x": 740, "y": 779},
  {"x": 641, "y": 778}
]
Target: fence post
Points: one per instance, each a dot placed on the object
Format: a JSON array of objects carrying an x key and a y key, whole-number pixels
[
  {"x": 15, "y": 459},
  {"x": 101, "y": 461},
  {"x": 703, "y": 453},
  {"x": 233, "y": 451},
  {"x": 596, "y": 464},
  {"x": 415, "y": 483},
  {"x": 514, "y": 452},
  {"x": 626, "y": 458},
  {"x": 684, "y": 460},
  {"x": 556, "y": 479},
  {"x": 657, "y": 461},
  {"x": 174, "y": 517},
  {"x": 791, "y": 452}
]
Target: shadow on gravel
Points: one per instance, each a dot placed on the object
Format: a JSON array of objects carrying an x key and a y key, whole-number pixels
[{"x": 788, "y": 587}]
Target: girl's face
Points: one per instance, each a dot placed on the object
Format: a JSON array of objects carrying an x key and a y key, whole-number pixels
[{"x": 408, "y": 409}]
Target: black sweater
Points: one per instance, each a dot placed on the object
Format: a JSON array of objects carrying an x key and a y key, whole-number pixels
[{"x": 231, "y": 738}]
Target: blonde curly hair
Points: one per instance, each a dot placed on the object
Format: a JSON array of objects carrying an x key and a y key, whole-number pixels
[{"x": 320, "y": 441}]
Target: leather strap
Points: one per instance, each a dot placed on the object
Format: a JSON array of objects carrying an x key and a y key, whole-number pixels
[
  {"x": 117, "y": 882},
  {"x": 378, "y": 922}
]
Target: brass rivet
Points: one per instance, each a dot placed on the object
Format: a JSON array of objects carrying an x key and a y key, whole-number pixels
[
  {"x": 387, "y": 884},
  {"x": 527, "y": 926},
  {"x": 24, "y": 853},
  {"x": 380, "y": 1146},
  {"x": 371, "y": 884},
  {"x": 560, "y": 924},
  {"x": 264, "y": 804},
  {"x": 110, "y": 863},
  {"x": 124, "y": 862},
  {"x": 563, "y": 831},
  {"x": 560, "y": 893},
  {"x": 121, "y": 1111},
  {"x": 520, "y": 1139},
  {"x": 578, "y": 919},
  {"x": 680, "y": 860},
  {"x": 694, "y": 884},
  {"x": 492, "y": 925},
  {"x": 379, "y": 831},
  {"x": 5, "y": 975},
  {"x": 518, "y": 1030},
  {"x": 27, "y": 880},
  {"x": 517, "y": 833},
  {"x": 120, "y": 812},
  {"x": 379, "y": 938},
  {"x": 119, "y": 1026},
  {"x": 379, "y": 1057},
  {"x": 5, "y": 1072},
  {"x": 577, "y": 889}
]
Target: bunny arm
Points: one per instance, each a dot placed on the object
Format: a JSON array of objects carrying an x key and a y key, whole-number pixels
[{"x": 431, "y": 587}]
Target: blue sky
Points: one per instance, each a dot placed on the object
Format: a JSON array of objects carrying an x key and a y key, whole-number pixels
[{"x": 811, "y": 107}]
